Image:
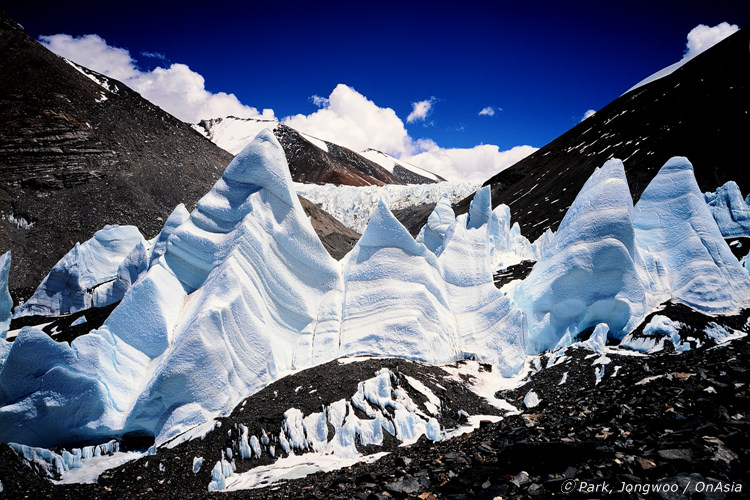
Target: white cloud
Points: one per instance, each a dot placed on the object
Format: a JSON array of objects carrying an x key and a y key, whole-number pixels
[
  {"x": 353, "y": 121},
  {"x": 489, "y": 111},
  {"x": 155, "y": 55},
  {"x": 703, "y": 37},
  {"x": 588, "y": 114},
  {"x": 177, "y": 89},
  {"x": 346, "y": 117},
  {"x": 320, "y": 102},
  {"x": 420, "y": 110},
  {"x": 478, "y": 163}
]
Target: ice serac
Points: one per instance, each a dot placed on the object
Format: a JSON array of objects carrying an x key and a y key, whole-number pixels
[
  {"x": 589, "y": 275},
  {"x": 508, "y": 245},
  {"x": 6, "y": 306},
  {"x": 6, "y": 302},
  {"x": 140, "y": 260},
  {"x": 70, "y": 285},
  {"x": 489, "y": 326},
  {"x": 731, "y": 212},
  {"x": 263, "y": 299},
  {"x": 395, "y": 301},
  {"x": 685, "y": 256},
  {"x": 439, "y": 227}
]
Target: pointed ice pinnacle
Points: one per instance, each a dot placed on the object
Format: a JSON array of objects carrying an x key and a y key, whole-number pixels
[
  {"x": 685, "y": 256},
  {"x": 384, "y": 230},
  {"x": 6, "y": 302},
  {"x": 198, "y": 245},
  {"x": 731, "y": 212},
  {"x": 590, "y": 274},
  {"x": 439, "y": 227},
  {"x": 395, "y": 300},
  {"x": 480, "y": 208}
]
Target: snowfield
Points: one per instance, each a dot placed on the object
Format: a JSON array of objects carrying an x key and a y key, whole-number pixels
[{"x": 241, "y": 291}]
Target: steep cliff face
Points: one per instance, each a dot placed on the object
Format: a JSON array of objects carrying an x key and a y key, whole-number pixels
[{"x": 79, "y": 150}]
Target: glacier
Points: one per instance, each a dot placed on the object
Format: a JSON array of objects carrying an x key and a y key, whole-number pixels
[
  {"x": 685, "y": 256},
  {"x": 71, "y": 284},
  {"x": 589, "y": 274},
  {"x": 241, "y": 291},
  {"x": 730, "y": 210},
  {"x": 352, "y": 205}
]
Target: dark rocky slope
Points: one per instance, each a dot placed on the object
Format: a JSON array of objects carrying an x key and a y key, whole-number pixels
[
  {"x": 75, "y": 156},
  {"x": 701, "y": 111}
]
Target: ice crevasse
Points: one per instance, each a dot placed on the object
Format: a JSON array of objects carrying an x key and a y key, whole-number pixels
[{"x": 241, "y": 291}]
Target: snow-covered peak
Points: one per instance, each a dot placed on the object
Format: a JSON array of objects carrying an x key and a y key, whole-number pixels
[
  {"x": 390, "y": 163},
  {"x": 232, "y": 134}
]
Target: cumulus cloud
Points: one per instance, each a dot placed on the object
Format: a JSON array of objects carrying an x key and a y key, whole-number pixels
[
  {"x": 489, "y": 111},
  {"x": 420, "y": 110},
  {"x": 350, "y": 119},
  {"x": 346, "y": 117},
  {"x": 703, "y": 37},
  {"x": 588, "y": 114},
  {"x": 478, "y": 163},
  {"x": 176, "y": 89}
]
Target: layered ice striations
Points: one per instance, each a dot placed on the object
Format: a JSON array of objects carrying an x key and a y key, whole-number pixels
[
  {"x": 233, "y": 295},
  {"x": 685, "y": 256},
  {"x": 590, "y": 272},
  {"x": 730, "y": 210},
  {"x": 71, "y": 285},
  {"x": 395, "y": 300},
  {"x": 613, "y": 263}
]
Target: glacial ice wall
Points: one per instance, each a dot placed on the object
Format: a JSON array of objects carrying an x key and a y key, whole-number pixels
[
  {"x": 590, "y": 272},
  {"x": 685, "y": 256},
  {"x": 240, "y": 291},
  {"x": 70, "y": 285}
]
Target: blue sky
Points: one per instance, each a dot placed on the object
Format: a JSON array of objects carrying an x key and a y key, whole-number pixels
[{"x": 540, "y": 66}]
